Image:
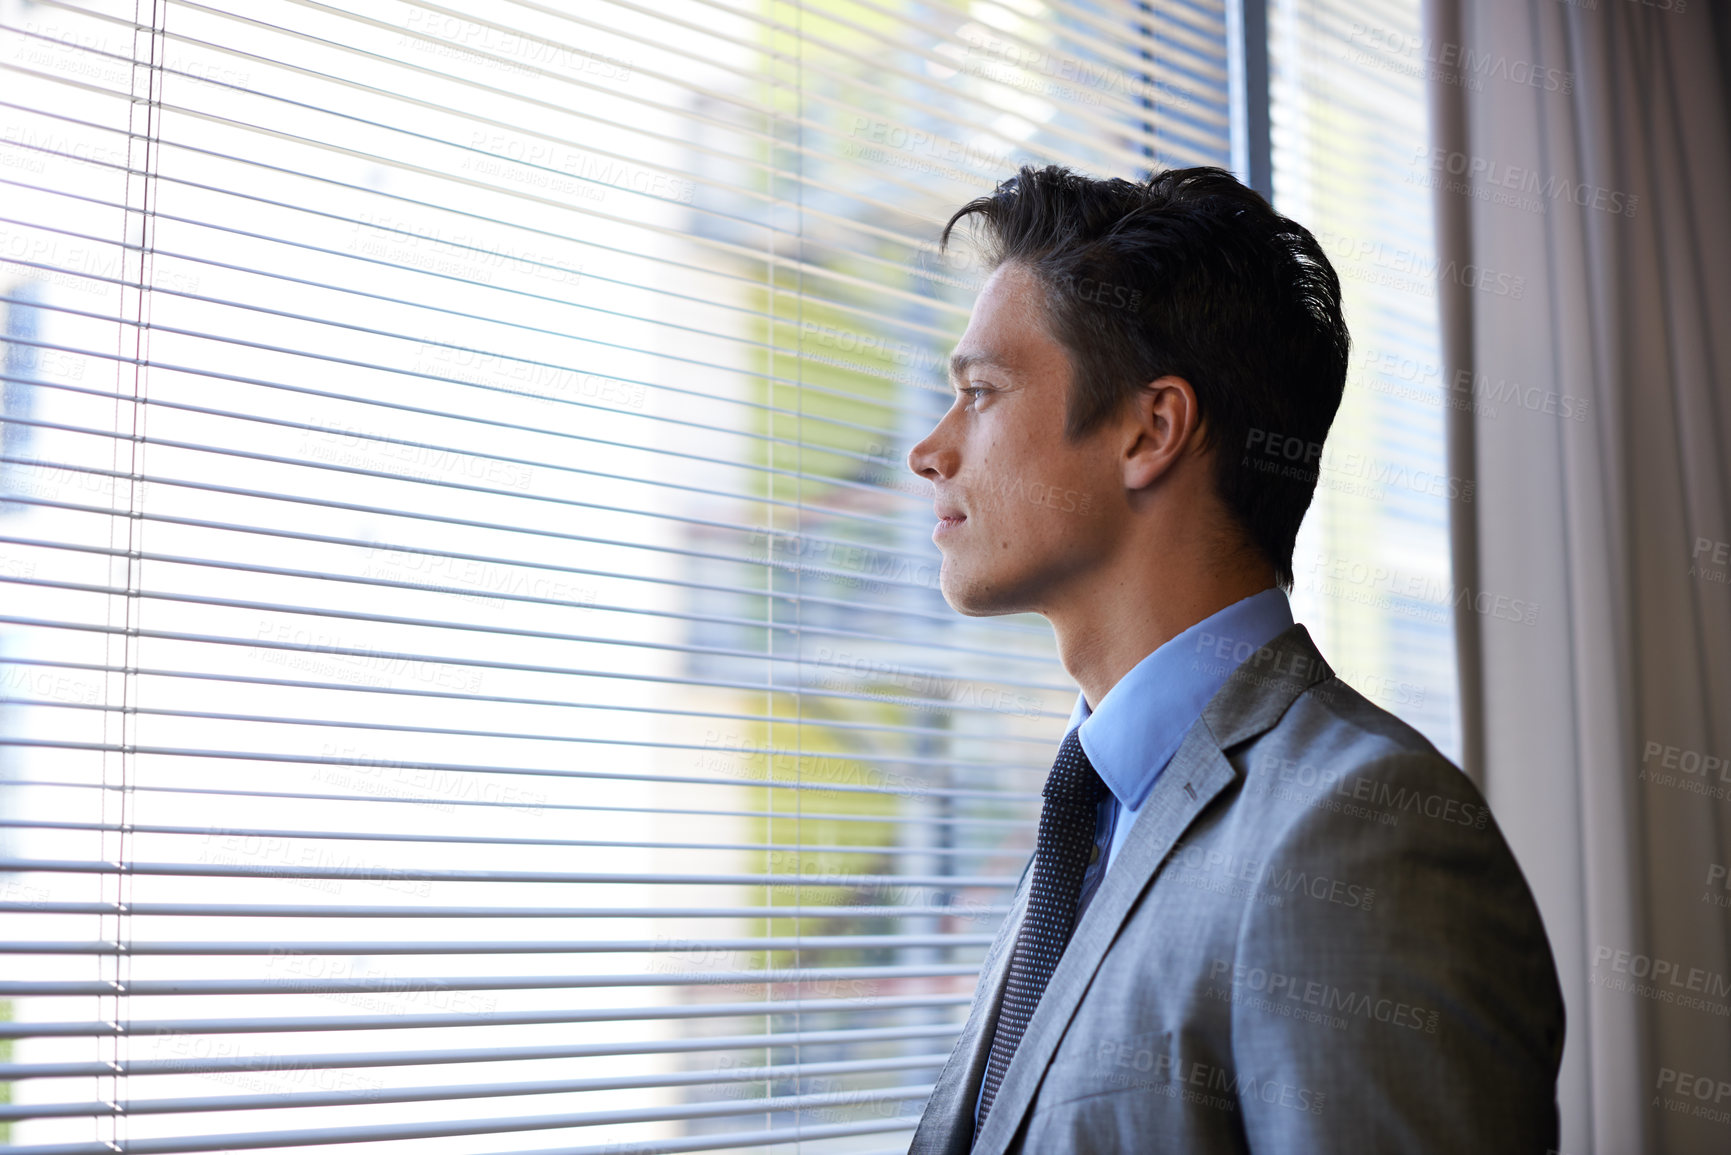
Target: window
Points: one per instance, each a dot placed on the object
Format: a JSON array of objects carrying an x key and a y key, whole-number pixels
[
  {"x": 1372, "y": 565},
  {"x": 472, "y": 668}
]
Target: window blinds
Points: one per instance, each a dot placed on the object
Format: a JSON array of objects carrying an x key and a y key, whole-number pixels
[
  {"x": 1372, "y": 564},
  {"x": 471, "y": 671}
]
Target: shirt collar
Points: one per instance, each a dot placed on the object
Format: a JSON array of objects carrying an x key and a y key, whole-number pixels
[{"x": 1142, "y": 719}]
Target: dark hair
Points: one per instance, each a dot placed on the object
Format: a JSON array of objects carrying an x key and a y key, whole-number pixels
[{"x": 1192, "y": 274}]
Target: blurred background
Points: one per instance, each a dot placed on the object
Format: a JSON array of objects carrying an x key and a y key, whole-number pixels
[{"x": 472, "y": 676}]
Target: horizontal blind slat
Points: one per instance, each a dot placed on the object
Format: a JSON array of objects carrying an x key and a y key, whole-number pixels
[
  {"x": 213, "y": 987},
  {"x": 788, "y": 1039},
  {"x": 810, "y": 815},
  {"x": 137, "y": 947},
  {"x": 872, "y": 1004},
  {"x": 800, "y": 1132},
  {"x": 384, "y": 1132},
  {"x": 280, "y": 910},
  {"x": 782, "y": 719},
  {"x": 475, "y": 839},
  {"x": 720, "y": 1077},
  {"x": 411, "y": 1058}
]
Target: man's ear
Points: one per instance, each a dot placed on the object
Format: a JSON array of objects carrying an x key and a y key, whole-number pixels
[{"x": 1160, "y": 424}]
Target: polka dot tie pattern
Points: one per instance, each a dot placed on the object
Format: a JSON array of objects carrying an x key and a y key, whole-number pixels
[{"x": 1061, "y": 853}]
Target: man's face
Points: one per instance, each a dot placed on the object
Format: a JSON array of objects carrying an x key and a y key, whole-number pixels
[{"x": 1023, "y": 511}]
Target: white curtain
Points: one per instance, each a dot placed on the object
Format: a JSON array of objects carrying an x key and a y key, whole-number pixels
[{"x": 1581, "y": 157}]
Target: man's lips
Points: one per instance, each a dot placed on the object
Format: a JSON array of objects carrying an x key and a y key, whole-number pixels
[{"x": 948, "y": 519}]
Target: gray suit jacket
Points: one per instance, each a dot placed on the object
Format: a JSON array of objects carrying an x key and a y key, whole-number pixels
[{"x": 1314, "y": 939}]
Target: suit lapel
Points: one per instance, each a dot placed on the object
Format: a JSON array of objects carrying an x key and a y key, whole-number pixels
[
  {"x": 947, "y": 1126},
  {"x": 1251, "y": 701},
  {"x": 1197, "y": 773}
]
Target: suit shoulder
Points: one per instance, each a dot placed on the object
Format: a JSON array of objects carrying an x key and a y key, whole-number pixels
[
  {"x": 1334, "y": 721},
  {"x": 1336, "y": 759}
]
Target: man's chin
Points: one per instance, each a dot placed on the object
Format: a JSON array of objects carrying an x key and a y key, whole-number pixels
[
  {"x": 974, "y": 610},
  {"x": 972, "y": 597}
]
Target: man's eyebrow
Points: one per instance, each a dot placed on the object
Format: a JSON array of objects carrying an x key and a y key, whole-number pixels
[{"x": 961, "y": 362}]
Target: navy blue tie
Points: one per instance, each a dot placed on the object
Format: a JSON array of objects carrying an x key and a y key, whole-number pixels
[{"x": 1061, "y": 855}]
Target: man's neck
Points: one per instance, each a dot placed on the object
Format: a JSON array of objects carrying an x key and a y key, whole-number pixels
[{"x": 1105, "y": 630}]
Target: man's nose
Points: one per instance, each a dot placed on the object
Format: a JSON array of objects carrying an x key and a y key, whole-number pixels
[{"x": 930, "y": 459}]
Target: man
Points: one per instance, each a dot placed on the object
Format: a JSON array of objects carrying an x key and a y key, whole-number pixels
[{"x": 1263, "y": 914}]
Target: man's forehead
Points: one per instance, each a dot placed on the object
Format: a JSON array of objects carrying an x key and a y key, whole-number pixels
[
  {"x": 1012, "y": 288},
  {"x": 1006, "y": 314}
]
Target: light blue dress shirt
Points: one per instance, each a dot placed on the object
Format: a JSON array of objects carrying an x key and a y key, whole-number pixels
[{"x": 1142, "y": 720}]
